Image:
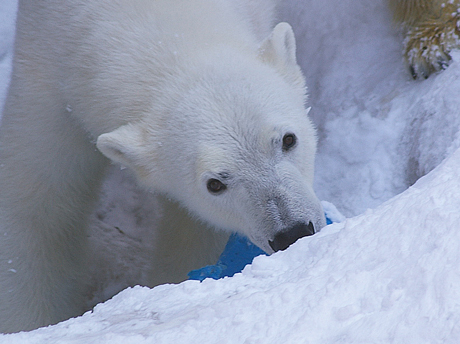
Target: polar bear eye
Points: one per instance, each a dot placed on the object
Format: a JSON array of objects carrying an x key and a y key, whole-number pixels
[
  {"x": 289, "y": 141},
  {"x": 215, "y": 186}
]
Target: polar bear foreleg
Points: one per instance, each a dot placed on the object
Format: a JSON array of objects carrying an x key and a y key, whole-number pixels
[{"x": 49, "y": 177}]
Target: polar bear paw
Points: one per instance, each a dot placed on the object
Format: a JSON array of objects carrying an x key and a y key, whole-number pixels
[{"x": 427, "y": 45}]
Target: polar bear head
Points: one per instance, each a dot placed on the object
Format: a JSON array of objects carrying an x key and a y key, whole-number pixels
[{"x": 237, "y": 149}]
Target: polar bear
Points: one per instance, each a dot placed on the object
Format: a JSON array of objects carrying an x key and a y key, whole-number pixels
[
  {"x": 201, "y": 99},
  {"x": 432, "y": 29}
]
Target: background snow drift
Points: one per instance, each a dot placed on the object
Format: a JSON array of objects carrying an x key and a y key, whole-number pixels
[{"x": 386, "y": 275}]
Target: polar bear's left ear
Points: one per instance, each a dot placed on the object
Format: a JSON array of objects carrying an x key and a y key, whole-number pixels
[
  {"x": 279, "y": 50},
  {"x": 123, "y": 145}
]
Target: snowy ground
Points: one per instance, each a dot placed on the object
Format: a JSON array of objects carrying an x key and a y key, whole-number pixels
[{"x": 387, "y": 275}]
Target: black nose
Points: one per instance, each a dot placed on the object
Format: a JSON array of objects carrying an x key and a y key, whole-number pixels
[{"x": 284, "y": 239}]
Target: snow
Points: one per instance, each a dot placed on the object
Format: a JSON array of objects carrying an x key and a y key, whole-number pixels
[
  {"x": 390, "y": 272},
  {"x": 379, "y": 130},
  {"x": 389, "y": 275}
]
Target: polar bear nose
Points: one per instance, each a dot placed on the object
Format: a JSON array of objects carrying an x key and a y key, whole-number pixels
[{"x": 284, "y": 239}]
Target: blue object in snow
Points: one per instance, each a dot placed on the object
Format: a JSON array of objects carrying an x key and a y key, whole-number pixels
[{"x": 238, "y": 253}]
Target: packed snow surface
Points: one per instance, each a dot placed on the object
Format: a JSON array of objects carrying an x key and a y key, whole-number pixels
[{"x": 388, "y": 274}]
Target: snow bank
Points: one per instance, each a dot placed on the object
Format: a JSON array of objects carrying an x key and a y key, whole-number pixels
[
  {"x": 388, "y": 276},
  {"x": 379, "y": 130}
]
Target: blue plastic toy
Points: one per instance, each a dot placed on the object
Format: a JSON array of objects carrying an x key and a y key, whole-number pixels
[{"x": 238, "y": 253}]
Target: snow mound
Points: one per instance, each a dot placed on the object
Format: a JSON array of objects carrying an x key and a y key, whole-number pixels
[{"x": 388, "y": 276}]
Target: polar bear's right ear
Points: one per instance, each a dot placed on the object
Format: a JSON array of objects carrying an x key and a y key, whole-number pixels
[
  {"x": 123, "y": 145},
  {"x": 279, "y": 50}
]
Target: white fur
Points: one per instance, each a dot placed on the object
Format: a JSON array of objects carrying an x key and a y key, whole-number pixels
[{"x": 179, "y": 91}]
